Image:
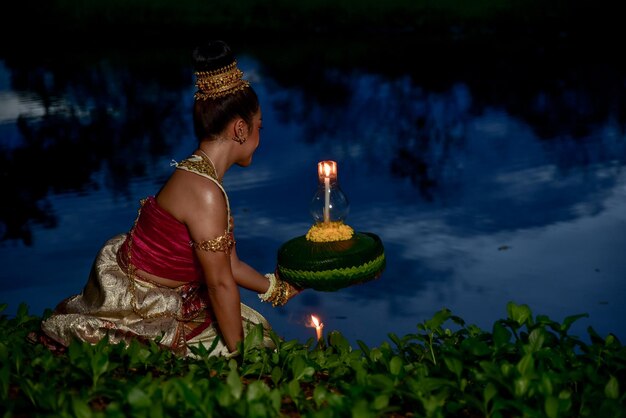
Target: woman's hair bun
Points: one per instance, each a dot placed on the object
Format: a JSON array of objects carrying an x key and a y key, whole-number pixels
[{"x": 212, "y": 55}]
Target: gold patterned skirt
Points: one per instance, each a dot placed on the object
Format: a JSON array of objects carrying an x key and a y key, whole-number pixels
[{"x": 113, "y": 304}]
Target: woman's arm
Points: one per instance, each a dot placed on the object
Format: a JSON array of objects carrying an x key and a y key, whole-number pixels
[
  {"x": 224, "y": 296},
  {"x": 206, "y": 218},
  {"x": 246, "y": 276},
  {"x": 249, "y": 278}
]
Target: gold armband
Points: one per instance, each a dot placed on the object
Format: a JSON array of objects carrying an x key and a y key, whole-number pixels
[{"x": 222, "y": 243}]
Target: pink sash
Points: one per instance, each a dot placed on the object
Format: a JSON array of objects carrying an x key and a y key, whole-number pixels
[{"x": 160, "y": 246}]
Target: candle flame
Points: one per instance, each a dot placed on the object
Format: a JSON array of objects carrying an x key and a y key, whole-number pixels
[
  {"x": 315, "y": 322},
  {"x": 319, "y": 327},
  {"x": 327, "y": 169}
]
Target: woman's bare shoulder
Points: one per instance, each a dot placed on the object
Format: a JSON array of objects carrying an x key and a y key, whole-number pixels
[{"x": 188, "y": 196}]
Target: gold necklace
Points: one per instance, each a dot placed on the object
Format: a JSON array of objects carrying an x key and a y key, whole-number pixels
[{"x": 210, "y": 161}]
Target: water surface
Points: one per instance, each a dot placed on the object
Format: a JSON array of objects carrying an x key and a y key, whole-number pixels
[{"x": 483, "y": 190}]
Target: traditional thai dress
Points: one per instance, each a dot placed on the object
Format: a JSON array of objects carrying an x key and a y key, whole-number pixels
[{"x": 118, "y": 302}]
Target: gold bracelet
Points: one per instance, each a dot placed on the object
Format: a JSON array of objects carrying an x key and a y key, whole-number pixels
[{"x": 276, "y": 293}]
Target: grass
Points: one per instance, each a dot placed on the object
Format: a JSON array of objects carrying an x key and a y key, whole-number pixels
[{"x": 525, "y": 366}]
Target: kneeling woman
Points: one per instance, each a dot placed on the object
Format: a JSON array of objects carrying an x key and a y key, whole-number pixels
[{"x": 174, "y": 277}]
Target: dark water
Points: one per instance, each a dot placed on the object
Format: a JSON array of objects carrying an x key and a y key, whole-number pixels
[{"x": 491, "y": 175}]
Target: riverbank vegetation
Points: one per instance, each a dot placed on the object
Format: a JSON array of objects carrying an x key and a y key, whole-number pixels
[{"x": 525, "y": 366}]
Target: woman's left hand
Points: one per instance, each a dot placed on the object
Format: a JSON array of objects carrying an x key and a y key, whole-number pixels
[{"x": 292, "y": 291}]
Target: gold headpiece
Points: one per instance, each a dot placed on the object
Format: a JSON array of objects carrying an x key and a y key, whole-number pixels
[{"x": 220, "y": 82}]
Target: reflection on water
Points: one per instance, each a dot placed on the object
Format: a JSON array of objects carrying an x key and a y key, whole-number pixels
[{"x": 481, "y": 192}]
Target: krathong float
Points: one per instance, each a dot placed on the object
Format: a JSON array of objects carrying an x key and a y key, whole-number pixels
[{"x": 331, "y": 255}]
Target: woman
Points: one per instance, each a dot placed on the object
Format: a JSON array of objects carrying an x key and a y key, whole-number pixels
[{"x": 174, "y": 277}]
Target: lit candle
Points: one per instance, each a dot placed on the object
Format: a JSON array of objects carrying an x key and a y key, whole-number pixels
[
  {"x": 327, "y": 170},
  {"x": 318, "y": 327},
  {"x": 326, "y": 199}
]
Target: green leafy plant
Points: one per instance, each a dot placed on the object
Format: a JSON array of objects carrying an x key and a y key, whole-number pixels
[{"x": 525, "y": 366}]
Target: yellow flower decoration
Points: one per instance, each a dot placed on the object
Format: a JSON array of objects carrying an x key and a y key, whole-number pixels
[{"x": 329, "y": 232}]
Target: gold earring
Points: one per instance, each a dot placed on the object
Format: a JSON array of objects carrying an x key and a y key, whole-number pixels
[{"x": 240, "y": 139}]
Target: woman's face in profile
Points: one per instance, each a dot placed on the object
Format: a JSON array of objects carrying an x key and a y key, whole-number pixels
[{"x": 254, "y": 138}]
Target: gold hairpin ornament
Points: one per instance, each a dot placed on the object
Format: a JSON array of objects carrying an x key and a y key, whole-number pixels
[{"x": 220, "y": 82}]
